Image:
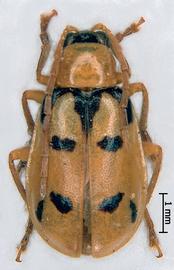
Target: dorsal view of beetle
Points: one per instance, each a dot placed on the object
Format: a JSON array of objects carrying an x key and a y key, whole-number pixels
[{"x": 86, "y": 186}]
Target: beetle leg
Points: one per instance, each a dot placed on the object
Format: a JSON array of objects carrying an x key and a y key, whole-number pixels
[
  {"x": 22, "y": 154},
  {"x": 45, "y": 19},
  {"x": 18, "y": 154},
  {"x": 153, "y": 239},
  {"x": 24, "y": 242},
  {"x": 140, "y": 87},
  {"x": 154, "y": 152},
  {"x": 133, "y": 28},
  {"x": 35, "y": 95}
]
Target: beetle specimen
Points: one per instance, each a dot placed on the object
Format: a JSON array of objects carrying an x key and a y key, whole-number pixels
[{"x": 86, "y": 183}]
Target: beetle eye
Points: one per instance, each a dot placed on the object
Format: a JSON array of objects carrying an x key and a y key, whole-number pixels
[
  {"x": 102, "y": 38},
  {"x": 69, "y": 39}
]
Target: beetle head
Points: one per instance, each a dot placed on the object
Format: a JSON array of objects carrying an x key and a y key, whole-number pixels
[{"x": 87, "y": 61}]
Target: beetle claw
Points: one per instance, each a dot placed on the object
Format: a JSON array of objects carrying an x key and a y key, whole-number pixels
[
  {"x": 155, "y": 244},
  {"x": 160, "y": 254},
  {"x": 18, "y": 257}
]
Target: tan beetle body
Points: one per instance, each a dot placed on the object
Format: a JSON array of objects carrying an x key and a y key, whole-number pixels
[
  {"x": 108, "y": 173},
  {"x": 86, "y": 183}
]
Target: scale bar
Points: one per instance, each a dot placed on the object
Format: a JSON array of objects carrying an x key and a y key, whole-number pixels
[{"x": 163, "y": 212}]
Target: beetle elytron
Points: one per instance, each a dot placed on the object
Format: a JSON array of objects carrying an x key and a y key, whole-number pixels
[{"x": 86, "y": 183}]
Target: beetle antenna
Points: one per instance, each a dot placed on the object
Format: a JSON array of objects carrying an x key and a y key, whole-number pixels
[
  {"x": 44, "y": 21},
  {"x": 47, "y": 109},
  {"x": 133, "y": 28}
]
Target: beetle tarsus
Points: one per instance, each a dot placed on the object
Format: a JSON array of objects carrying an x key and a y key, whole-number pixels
[
  {"x": 160, "y": 254},
  {"x": 154, "y": 243},
  {"x": 153, "y": 239},
  {"x": 18, "y": 257},
  {"x": 24, "y": 242}
]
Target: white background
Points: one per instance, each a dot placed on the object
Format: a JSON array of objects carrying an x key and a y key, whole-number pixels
[{"x": 150, "y": 54}]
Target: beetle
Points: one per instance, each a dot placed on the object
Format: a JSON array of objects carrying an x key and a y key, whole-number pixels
[{"x": 86, "y": 184}]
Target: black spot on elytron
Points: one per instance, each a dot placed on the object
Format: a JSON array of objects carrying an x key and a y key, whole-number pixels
[
  {"x": 111, "y": 144},
  {"x": 39, "y": 210},
  {"x": 87, "y": 37},
  {"x": 133, "y": 208},
  {"x": 62, "y": 144},
  {"x": 87, "y": 103},
  {"x": 58, "y": 92},
  {"x": 62, "y": 203},
  {"x": 111, "y": 204},
  {"x": 115, "y": 92},
  {"x": 129, "y": 112},
  {"x": 42, "y": 114}
]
